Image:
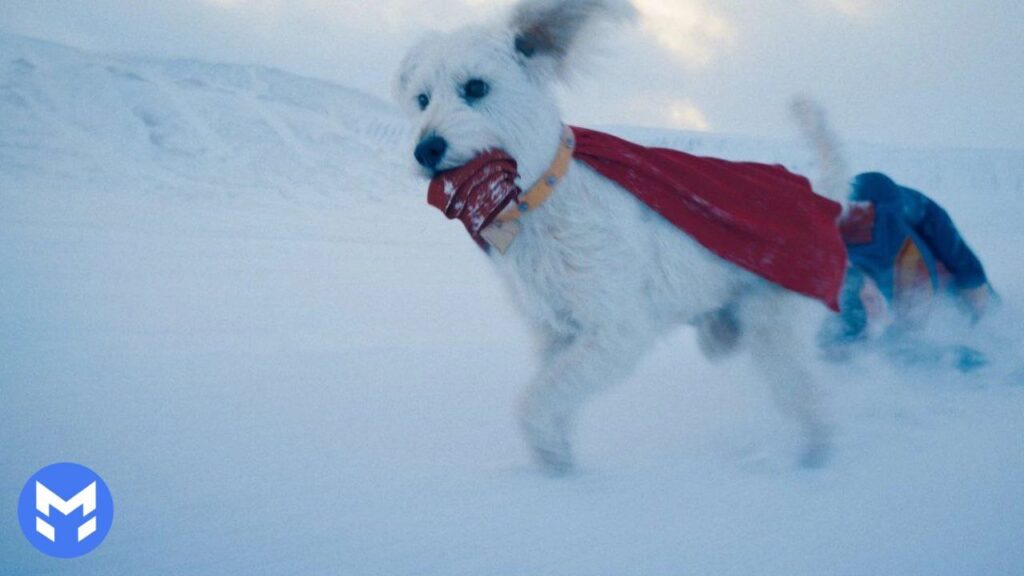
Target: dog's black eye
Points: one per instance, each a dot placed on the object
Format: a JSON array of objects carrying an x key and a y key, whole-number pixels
[
  {"x": 423, "y": 100},
  {"x": 475, "y": 89}
]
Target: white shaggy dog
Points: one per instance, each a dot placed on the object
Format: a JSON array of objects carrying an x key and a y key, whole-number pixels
[{"x": 599, "y": 273}]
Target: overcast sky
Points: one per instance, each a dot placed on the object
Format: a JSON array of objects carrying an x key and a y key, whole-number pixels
[{"x": 910, "y": 72}]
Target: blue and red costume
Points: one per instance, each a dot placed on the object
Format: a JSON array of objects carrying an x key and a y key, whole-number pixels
[{"x": 904, "y": 247}]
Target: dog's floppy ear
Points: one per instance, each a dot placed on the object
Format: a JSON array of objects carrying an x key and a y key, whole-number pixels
[{"x": 551, "y": 29}]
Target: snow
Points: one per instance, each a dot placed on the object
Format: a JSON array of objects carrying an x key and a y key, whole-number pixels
[{"x": 222, "y": 289}]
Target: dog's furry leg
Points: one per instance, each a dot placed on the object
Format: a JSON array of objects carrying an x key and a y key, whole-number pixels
[
  {"x": 780, "y": 355},
  {"x": 583, "y": 366}
]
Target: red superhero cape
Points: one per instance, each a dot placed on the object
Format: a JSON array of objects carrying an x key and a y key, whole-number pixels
[{"x": 762, "y": 218}]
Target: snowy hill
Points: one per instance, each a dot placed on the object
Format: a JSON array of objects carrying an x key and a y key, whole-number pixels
[
  {"x": 214, "y": 129},
  {"x": 220, "y": 287}
]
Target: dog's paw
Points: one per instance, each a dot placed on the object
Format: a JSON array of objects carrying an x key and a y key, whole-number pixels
[
  {"x": 817, "y": 448},
  {"x": 815, "y": 456},
  {"x": 548, "y": 438},
  {"x": 555, "y": 462}
]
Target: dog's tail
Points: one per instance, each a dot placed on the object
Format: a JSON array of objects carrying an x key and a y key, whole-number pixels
[{"x": 833, "y": 171}]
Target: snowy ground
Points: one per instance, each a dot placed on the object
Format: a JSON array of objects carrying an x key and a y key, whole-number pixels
[{"x": 221, "y": 289}]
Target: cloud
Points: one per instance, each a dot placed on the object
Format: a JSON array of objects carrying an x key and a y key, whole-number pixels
[
  {"x": 660, "y": 111},
  {"x": 691, "y": 30},
  {"x": 685, "y": 115},
  {"x": 230, "y": 3},
  {"x": 393, "y": 16},
  {"x": 855, "y": 8}
]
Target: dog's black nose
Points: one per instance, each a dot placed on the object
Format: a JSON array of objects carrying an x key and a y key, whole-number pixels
[{"x": 430, "y": 151}]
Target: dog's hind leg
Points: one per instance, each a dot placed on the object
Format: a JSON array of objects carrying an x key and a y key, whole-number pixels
[
  {"x": 590, "y": 362},
  {"x": 781, "y": 354}
]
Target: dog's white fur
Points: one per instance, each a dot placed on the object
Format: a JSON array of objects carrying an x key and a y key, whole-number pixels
[{"x": 600, "y": 274}]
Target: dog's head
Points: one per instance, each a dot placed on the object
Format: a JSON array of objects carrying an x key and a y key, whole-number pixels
[{"x": 485, "y": 87}]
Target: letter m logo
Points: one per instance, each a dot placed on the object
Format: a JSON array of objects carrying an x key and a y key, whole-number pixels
[{"x": 46, "y": 500}]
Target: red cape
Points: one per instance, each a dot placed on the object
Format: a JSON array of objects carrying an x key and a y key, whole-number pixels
[{"x": 762, "y": 218}]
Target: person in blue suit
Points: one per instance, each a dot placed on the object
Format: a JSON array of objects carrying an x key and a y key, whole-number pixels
[{"x": 906, "y": 256}]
